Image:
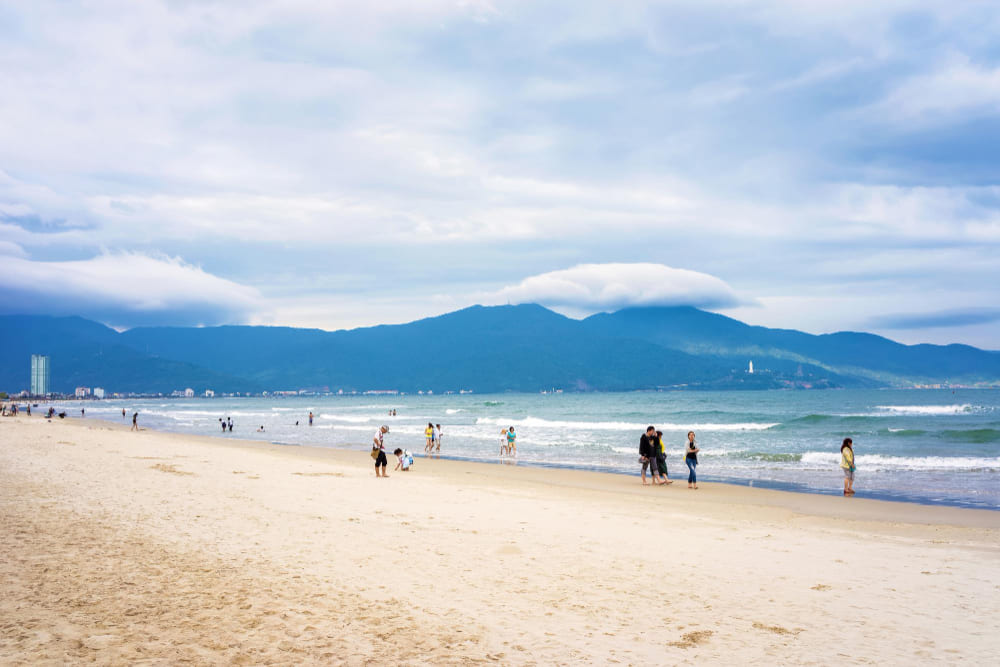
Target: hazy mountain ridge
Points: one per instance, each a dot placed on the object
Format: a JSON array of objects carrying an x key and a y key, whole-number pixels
[{"x": 501, "y": 348}]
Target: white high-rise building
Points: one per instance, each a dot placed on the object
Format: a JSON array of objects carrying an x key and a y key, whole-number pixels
[
  {"x": 750, "y": 370},
  {"x": 189, "y": 393},
  {"x": 98, "y": 392},
  {"x": 39, "y": 375}
]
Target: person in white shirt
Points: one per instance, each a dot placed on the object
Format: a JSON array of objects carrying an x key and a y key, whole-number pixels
[{"x": 437, "y": 436}]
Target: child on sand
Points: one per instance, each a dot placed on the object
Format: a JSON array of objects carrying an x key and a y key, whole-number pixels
[
  {"x": 404, "y": 459},
  {"x": 847, "y": 463}
]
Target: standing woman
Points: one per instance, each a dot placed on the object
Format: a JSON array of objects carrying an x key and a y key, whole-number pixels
[
  {"x": 691, "y": 459},
  {"x": 429, "y": 436},
  {"x": 847, "y": 463}
]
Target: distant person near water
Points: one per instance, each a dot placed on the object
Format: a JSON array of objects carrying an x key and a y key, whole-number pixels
[
  {"x": 847, "y": 463},
  {"x": 310, "y": 418},
  {"x": 123, "y": 413},
  {"x": 511, "y": 442},
  {"x": 437, "y": 436},
  {"x": 429, "y": 436},
  {"x": 83, "y": 412},
  {"x": 135, "y": 421},
  {"x": 222, "y": 422},
  {"x": 691, "y": 459},
  {"x": 503, "y": 442},
  {"x": 230, "y": 420},
  {"x": 378, "y": 449}
]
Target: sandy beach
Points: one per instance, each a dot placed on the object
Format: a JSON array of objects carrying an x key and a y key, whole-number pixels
[{"x": 153, "y": 548}]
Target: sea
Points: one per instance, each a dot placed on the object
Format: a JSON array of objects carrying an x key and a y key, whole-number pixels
[{"x": 925, "y": 446}]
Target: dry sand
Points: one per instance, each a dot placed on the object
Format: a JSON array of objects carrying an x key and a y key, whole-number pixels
[{"x": 153, "y": 548}]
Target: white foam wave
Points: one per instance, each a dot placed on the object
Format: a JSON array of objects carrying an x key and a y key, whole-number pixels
[
  {"x": 927, "y": 410},
  {"x": 453, "y": 411},
  {"x": 347, "y": 418},
  {"x": 879, "y": 462},
  {"x": 535, "y": 422}
]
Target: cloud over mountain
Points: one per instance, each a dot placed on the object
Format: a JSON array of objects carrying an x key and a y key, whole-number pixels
[
  {"x": 596, "y": 287},
  {"x": 123, "y": 289}
]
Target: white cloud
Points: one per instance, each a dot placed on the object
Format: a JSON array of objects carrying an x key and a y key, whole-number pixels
[
  {"x": 596, "y": 287},
  {"x": 123, "y": 289},
  {"x": 960, "y": 88}
]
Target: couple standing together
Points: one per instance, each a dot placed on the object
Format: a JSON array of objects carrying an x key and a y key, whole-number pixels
[{"x": 653, "y": 455}]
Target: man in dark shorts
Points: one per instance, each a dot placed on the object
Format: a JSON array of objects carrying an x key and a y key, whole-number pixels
[{"x": 379, "y": 444}]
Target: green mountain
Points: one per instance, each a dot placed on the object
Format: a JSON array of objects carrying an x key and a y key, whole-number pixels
[{"x": 503, "y": 348}]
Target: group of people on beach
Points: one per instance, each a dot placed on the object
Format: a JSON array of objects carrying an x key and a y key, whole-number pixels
[
  {"x": 653, "y": 456},
  {"x": 432, "y": 434},
  {"x": 404, "y": 459},
  {"x": 508, "y": 442}
]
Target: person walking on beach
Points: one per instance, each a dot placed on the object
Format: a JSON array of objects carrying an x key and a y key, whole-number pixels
[
  {"x": 437, "y": 436},
  {"x": 647, "y": 454},
  {"x": 135, "y": 421},
  {"x": 511, "y": 442},
  {"x": 429, "y": 436},
  {"x": 847, "y": 463},
  {"x": 379, "y": 444},
  {"x": 503, "y": 442},
  {"x": 123, "y": 413},
  {"x": 230, "y": 420},
  {"x": 661, "y": 459},
  {"x": 691, "y": 459},
  {"x": 310, "y": 418}
]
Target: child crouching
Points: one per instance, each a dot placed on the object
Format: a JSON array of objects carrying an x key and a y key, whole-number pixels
[{"x": 404, "y": 459}]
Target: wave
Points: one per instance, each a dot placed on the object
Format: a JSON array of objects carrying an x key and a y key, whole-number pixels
[
  {"x": 929, "y": 410},
  {"x": 453, "y": 411},
  {"x": 879, "y": 462},
  {"x": 810, "y": 419},
  {"x": 975, "y": 435},
  {"x": 535, "y": 422},
  {"x": 774, "y": 457},
  {"x": 902, "y": 432},
  {"x": 347, "y": 418},
  {"x": 491, "y": 404}
]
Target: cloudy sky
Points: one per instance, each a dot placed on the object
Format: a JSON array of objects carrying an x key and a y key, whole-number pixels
[{"x": 817, "y": 165}]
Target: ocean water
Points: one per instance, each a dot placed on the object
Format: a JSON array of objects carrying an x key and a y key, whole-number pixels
[{"x": 925, "y": 446}]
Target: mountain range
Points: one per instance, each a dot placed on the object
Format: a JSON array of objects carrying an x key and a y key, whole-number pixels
[{"x": 484, "y": 349}]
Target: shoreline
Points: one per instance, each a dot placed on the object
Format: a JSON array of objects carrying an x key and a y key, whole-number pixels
[
  {"x": 807, "y": 502},
  {"x": 743, "y": 483},
  {"x": 151, "y": 547}
]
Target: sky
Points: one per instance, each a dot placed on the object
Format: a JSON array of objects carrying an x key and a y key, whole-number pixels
[{"x": 823, "y": 166}]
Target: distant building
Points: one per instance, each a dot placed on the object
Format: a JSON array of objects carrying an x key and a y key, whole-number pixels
[
  {"x": 82, "y": 392},
  {"x": 189, "y": 393},
  {"x": 209, "y": 393},
  {"x": 98, "y": 392},
  {"x": 750, "y": 369},
  {"x": 39, "y": 375}
]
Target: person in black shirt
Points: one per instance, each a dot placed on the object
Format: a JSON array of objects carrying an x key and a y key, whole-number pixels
[{"x": 647, "y": 454}]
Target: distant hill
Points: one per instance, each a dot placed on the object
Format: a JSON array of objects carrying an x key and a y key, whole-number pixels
[{"x": 502, "y": 348}]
